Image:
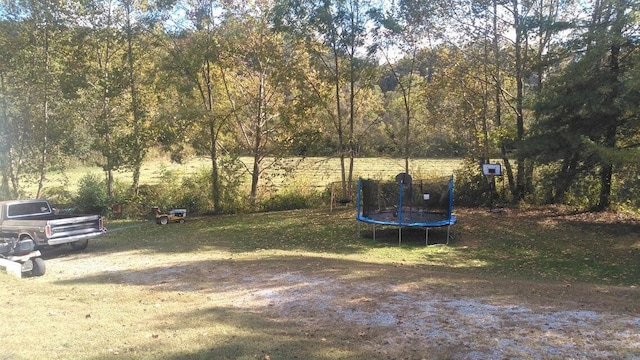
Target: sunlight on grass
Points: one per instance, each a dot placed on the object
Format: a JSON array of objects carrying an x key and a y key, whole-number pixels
[
  {"x": 212, "y": 288},
  {"x": 315, "y": 171}
]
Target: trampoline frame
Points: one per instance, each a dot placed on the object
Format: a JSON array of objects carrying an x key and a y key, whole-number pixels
[{"x": 448, "y": 221}]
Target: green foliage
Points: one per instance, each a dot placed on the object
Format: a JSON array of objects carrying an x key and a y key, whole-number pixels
[
  {"x": 92, "y": 196},
  {"x": 148, "y": 196},
  {"x": 582, "y": 192},
  {"x": 627, "y": 188},
  {"x": 471, "y": 188},
  {"x": 231, "y": 199},
  {"x": 173, "y": 191},
  {"x": 543, "y": 185},
  {"x": 58, "y": 195},
  {"x": 194, "y": 193}
]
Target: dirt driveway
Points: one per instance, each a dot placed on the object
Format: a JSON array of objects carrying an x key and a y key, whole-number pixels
[{"x": 386, "y": 311}]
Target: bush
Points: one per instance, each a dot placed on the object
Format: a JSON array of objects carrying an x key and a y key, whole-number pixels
[
  {"x": 58, "y": 195},
  {"x": 92, "y": 196},
  {"x": 231, "y": 199},
  {"x": 626, "y": 187},
  {"x": 195, "y": 193},
  {"x": 471, "y": 188}
]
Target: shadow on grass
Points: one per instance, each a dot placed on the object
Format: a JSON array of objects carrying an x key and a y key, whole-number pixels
[
  {"x": 409, "y": 236},
  {"x": 269, "y": 337},
  {"x": 288, "y": 306}
]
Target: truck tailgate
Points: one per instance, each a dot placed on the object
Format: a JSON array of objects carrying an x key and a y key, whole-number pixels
[{"x": 74, "y": 229}]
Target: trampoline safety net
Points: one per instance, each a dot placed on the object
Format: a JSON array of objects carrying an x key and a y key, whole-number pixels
[{"x": 420, "y": 203}]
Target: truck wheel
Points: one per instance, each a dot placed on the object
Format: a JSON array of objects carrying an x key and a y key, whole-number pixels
[
  {"x": 79, "y": 245},
  {"x": 164, "y": 220},
  {"x": 39, "y": 268}
]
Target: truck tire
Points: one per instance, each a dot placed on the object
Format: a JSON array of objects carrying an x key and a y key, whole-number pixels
[
  {"x": 39, "y": 268},
  {"x": 79, "y": 245}
]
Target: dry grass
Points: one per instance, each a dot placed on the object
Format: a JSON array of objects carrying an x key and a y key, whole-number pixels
[
  {"x": 301, "y": 285},
  {"x": 312, "y": 171}
]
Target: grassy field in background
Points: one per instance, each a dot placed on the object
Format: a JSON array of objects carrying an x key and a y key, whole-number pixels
[{"x": 310, "y": 172}]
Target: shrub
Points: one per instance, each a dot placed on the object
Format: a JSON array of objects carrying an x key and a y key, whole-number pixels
[
  {"x": 626, "y": 187},
  {"x": 231, "y": 199},
  {"x": 471, "y": 188},
  {"x": 58, "y": 195},
  {"x": 194, "y": 194},
  {"x": 92, "y": 196}
]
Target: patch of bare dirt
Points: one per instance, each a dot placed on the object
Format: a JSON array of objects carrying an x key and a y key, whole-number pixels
[{"x": 401, "y": 312}]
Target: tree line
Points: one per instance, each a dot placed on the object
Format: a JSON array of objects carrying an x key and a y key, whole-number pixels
[{"x": 550, "y": 88}]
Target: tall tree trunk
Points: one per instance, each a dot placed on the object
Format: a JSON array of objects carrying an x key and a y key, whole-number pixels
[
  {"x": 138, "y": 151},
  {"x": 519, "y": 64},
  {"x": 109, "y": 179},
  {"x": 339, "y": 129},
  {"x": 498, "y": 96},
  {"x": 207, "y": 99},
  {"x": 44, "y": 141},
  {"x": 406, "y": 95},
  {"x": 352, "y": 115},
  {"x": 257, "y": 140},
  {"x": 215, "y": 177},
  {"x": 612, "y": 118},
  {"x": 5, "y": 146}
]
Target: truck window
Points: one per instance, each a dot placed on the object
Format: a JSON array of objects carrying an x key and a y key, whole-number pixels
[{"x": 31, "y": 208}]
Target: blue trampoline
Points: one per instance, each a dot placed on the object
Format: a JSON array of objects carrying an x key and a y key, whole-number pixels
[{"x": 406, "y": 203}]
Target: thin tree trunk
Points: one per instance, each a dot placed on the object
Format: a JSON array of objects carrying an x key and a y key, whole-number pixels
[
  {"x": 5, "y": 146},
  {"x": 519, "y": 63},
  {"x": 340, "y": 130},
  {"x": 207, "y": 99},
  {"x": 257, "y": 141},
  {"x": 606, "y": 171},
  {"x": 44, "y": 144},
  {"x": 138, "y": 151},
  {"x": 215, "y": 179}
]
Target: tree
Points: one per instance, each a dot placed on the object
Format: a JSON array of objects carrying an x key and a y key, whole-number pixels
[
  {"x": 405, "y": 28},
  {"x": 588, "y": 108},
  {"x": 31, "y": 94},
  {"x": 194, "y": 61},
  {"x": 335, "y": 33},
  {"x": 260, "y": 97},
  {"x": 98, "y": 52},
  {"x": 139, "y": 129}
]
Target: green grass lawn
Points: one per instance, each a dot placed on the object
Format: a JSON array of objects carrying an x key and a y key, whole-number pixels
[
  {"x": 208, "y": 289},
  {"x": 532, "y": 245}
]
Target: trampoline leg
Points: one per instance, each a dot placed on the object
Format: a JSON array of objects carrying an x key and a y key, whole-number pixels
[
  {"x": 374, "y": 233},
  {"x": 426, "y": 237},
  {"x": 448, "y": 232},
  {"x": 399, "y": 235}
]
